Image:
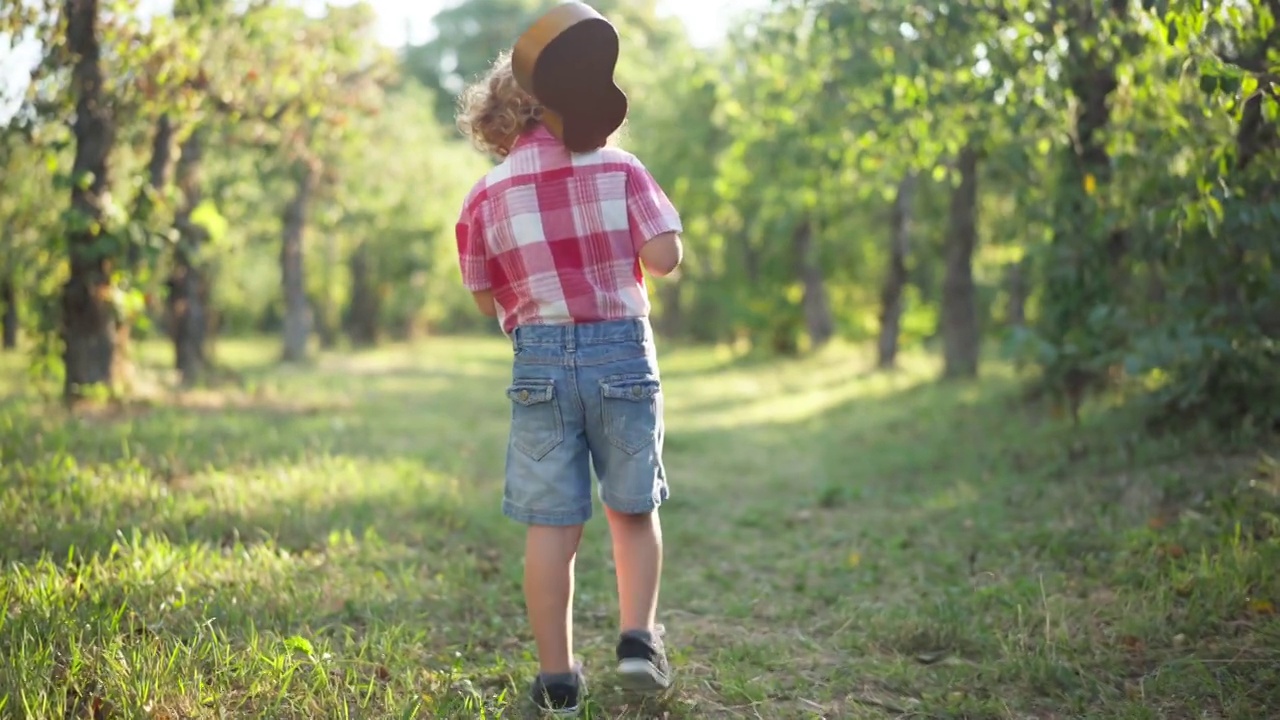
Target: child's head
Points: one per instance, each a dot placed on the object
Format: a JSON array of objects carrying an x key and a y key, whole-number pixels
[{"x": 494, "y": 111}]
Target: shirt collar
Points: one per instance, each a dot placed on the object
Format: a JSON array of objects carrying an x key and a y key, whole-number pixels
[{"x": 540, "y": 135}]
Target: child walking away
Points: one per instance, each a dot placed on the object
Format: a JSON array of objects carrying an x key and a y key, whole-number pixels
[{"x": 551, "y": 243}]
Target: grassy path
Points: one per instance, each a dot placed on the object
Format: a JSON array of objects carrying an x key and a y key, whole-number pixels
[{"x": 328, "y": 544}]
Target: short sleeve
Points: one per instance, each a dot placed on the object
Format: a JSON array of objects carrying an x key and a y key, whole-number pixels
[
  {"x": 472, "y": 256},
  {"x": 648, "y": 208}
]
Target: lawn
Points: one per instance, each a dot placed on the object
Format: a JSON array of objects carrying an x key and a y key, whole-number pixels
[{"x": 327, "y": 543}]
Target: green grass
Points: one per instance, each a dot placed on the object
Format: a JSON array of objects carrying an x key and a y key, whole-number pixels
[{"x": 327, "y": 543}]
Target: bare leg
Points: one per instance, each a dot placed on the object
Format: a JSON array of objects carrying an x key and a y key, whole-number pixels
[
  {"x": 549, "y": 556},
  {"x": 637, "y": 553}
]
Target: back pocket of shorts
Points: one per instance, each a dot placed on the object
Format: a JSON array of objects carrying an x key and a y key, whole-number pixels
[
  {"x": 632, "y": 409},
  {"x": 536, "y": 425}
]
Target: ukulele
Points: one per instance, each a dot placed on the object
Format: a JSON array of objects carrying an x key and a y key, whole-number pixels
[{"x": 566, "y": 60}]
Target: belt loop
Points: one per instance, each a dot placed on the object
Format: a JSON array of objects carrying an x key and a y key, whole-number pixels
[{"x": 571, "y": 337}]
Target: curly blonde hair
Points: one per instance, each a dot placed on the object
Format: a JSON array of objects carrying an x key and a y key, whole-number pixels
[{"x": 494, "y": 111}]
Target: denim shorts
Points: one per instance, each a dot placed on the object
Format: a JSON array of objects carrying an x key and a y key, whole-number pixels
[{"x": 584, "y": 396}]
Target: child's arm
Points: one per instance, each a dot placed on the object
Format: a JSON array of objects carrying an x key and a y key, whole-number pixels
[
  {"x": 655, "y": 224},
  {"x": 484, "y": 301},
  {"x": 662, "y": 255},
  {"x": 474, "y": 261}
]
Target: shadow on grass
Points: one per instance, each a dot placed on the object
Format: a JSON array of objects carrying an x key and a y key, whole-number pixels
[
  {"x": 389, "y": 457},
  {"x": 854, "y": 524}
]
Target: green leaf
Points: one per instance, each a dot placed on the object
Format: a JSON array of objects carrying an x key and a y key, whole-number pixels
[
  {"x": 1208, "y": 83},
  {"x": 206, "y": 215},
  {"x": 299, "y": 644}
]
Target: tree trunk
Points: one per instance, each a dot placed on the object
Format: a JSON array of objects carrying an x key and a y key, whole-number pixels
[
  {"x": 960, "y": 332},
  {"x": 362, "y": 317},
  {"x": 161, "y": 152},
  {"x": 817, "y": 310},
  {"x": 750, "y": 261},
  {"x": 328, "y": 323},
  {"x": 297, "y": 311},
  {"x": 1256, "y": 135},
  {"x": 325, "y": 327},
  {"x": 9, "y": 321},
  {"x": 89, "y": 321},
  {"x": 1084, "y": 266},
  {"x": 188, "y": 291},
  {"x": 1018, "y": 289},
  {"x": 895, "y": 281},
  {"x": 157, "y": 178},
  {"x": 672, "y": 319}
]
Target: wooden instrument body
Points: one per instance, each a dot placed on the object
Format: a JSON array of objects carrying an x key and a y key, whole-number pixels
[{"x": 566, "y": 60}]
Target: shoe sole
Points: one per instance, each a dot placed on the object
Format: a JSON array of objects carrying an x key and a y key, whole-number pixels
[
  {"x": 572, "y": 712},
  {"x": 641, "y": 676}
]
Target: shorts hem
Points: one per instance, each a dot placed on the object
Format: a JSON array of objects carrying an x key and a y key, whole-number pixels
[
  {"x": 633, "y": 506},
  {"x": 527, "y": 516}
]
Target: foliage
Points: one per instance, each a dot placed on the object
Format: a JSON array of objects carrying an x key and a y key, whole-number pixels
[{"x": 1127, "y": 183}]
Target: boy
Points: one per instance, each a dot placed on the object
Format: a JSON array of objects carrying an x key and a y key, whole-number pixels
[{"x": 551, "y": 244}]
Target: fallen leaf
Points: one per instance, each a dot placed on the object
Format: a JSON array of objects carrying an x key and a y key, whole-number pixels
[
  {"x": 1172, "y": 551},
  {"x": 875, "y": 698},
  {"x": 154, "y": 713},
  {"x": 931, "y": 657},
  {"x": 1132, "y": 642},
  {"x": 1262, "y": 607},
  {"x": 854, "y": 559},
  {"x": 1102, "y": 596}
]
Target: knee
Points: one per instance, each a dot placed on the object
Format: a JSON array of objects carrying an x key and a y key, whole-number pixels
[{"x": 631, "y": 519}]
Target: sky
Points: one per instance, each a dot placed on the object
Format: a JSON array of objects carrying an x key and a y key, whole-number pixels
[{"x": 707, "y": 20}]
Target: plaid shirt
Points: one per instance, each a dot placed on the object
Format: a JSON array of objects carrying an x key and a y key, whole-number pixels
[{"x": 557, "y": 236}]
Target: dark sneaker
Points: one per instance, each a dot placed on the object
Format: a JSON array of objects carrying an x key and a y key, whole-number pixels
[
  {"x": 559, "y": 699},
  {"x": 642, "y": 662}
]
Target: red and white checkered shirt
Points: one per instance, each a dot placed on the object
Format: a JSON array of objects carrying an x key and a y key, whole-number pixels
[{"x": 556, "y": 236}]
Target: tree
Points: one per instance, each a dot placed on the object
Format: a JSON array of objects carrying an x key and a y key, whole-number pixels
[
  {"x": 961, "y": 333},
  {"x": 895, "y": 282},
  {"x": 90, "y": 316}
]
